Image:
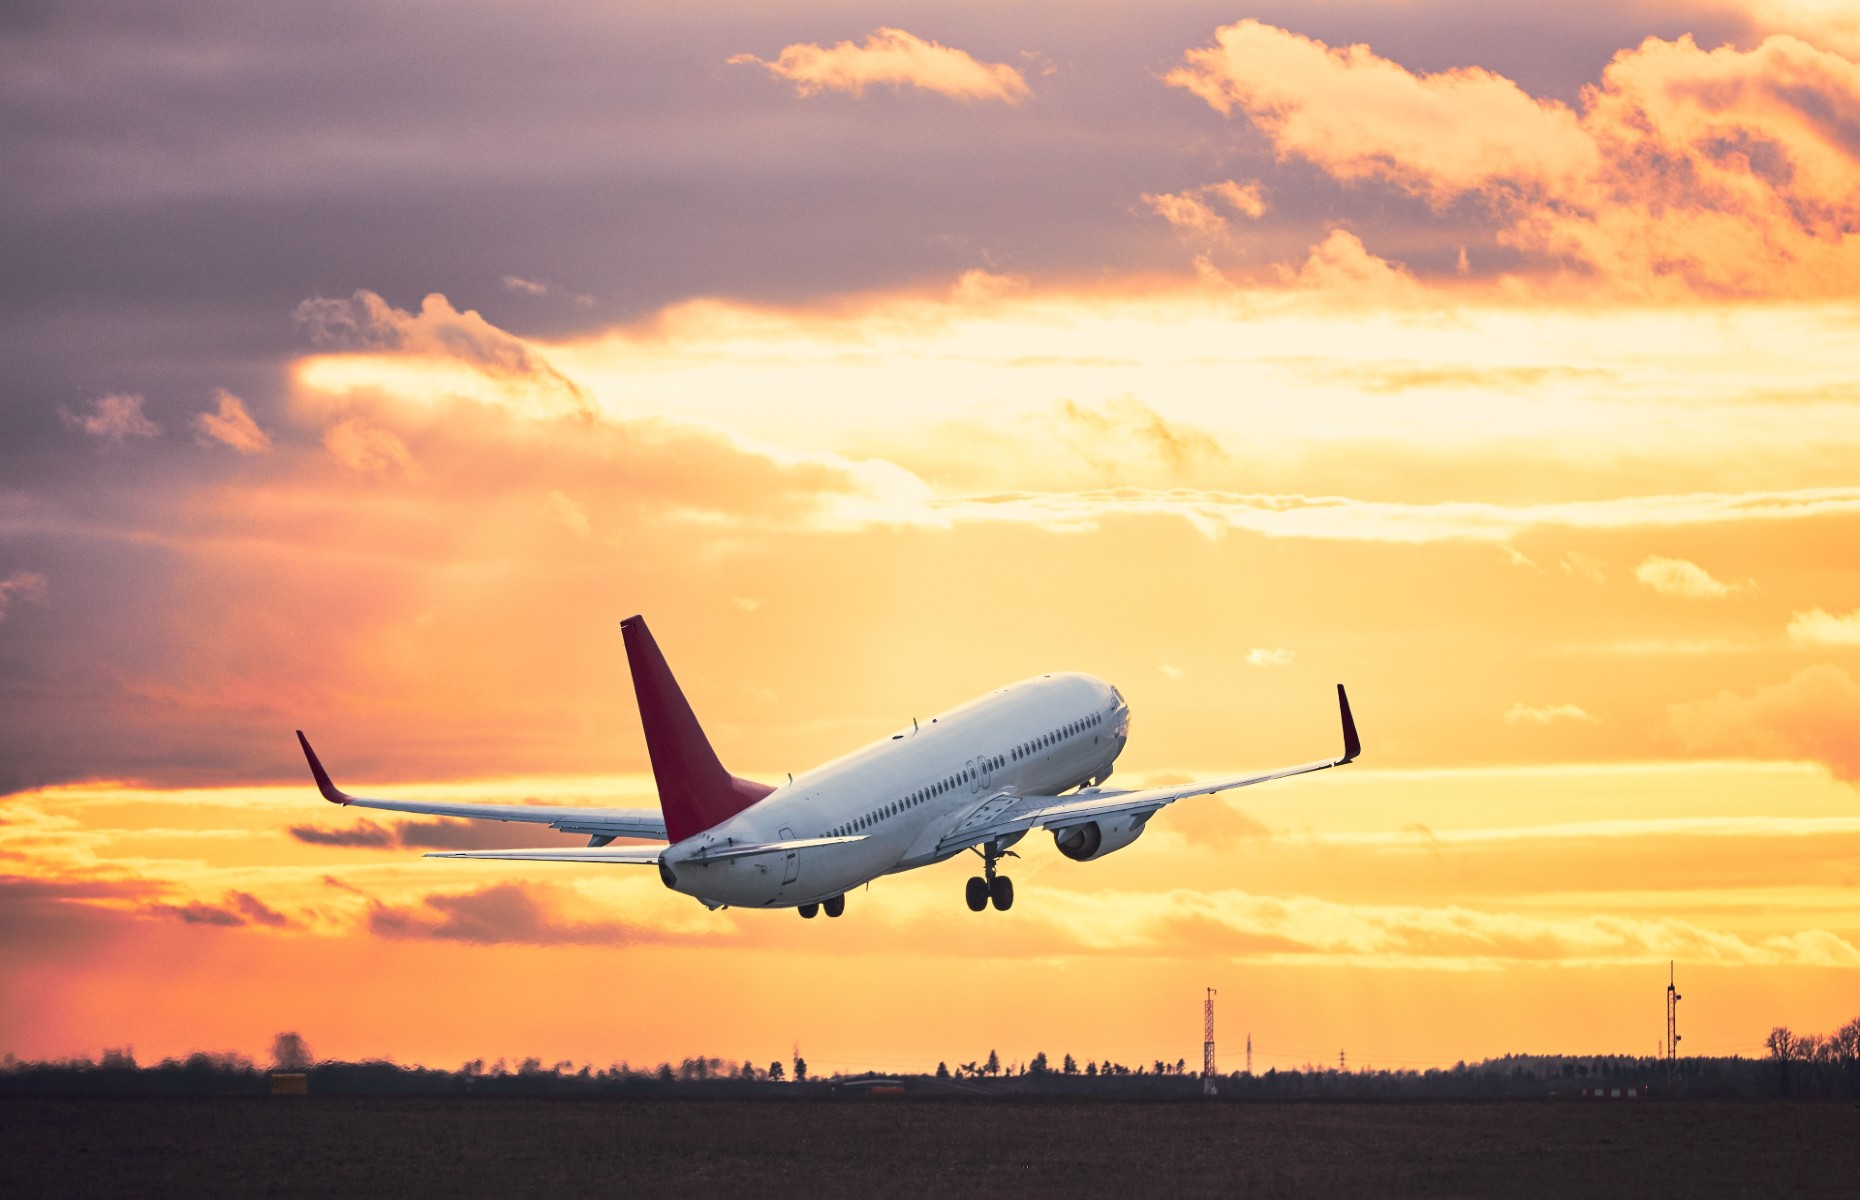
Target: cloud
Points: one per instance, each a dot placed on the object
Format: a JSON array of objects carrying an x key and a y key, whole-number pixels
[
  {"x": 1349, "y": 519},
  {"x": 238, "y": 908},
  {"x": 1831, "y": 24},
  {"x": 232, "y": 425},
  {"x": 1677, "y": 577},
  {"x": 1340, "y": 264},
  {"x": 533, "y": 287},
  {"x": 1818, "y": 628},
  {"x": 1452, "y": 937},
  {"x": 1521, "y": 714},
  {"x": 113, "y": 418},
  {"x": 1195, "y": 214},
  {"x": 1262, "y": 656},
  {"x": 474, "y": 835},
  {"x": 505, "y": 913},
  {"x": 570, "y": 511},
  {"x": 1812, "y": 716},
  {"x": 1582, "y": 566},
  {"x": 365, "y": 447},
  {"x": 1723, "y": 172},
  {"x": 1171, "y": 673},
  {"x": 462, "y": 353},
  {"x": 26, "y": 585},
  {"x": 438, "y": 834},
  {"x": 895, "y": 57},
  {"x": 364, "y": 833}
]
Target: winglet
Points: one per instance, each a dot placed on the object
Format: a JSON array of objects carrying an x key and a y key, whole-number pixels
[
  {"x": 331, "y": 792},
  {"x": 1352, "y": 745}
]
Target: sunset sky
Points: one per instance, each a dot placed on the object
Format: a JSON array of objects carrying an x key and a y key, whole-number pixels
[{"x": 366, "y": 363}]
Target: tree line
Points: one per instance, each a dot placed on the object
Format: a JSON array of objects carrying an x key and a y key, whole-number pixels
[{"x": 1802, "y": 1066}]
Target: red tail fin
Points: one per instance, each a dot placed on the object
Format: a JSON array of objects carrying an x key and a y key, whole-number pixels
[{"x": 695, "y": 792}]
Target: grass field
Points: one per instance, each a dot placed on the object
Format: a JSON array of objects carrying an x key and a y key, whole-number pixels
[{"x": 252, "y": 1146}]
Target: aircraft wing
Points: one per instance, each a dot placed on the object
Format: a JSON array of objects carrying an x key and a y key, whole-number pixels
[
  {"x": 646, "y": 855},
  {"x": 594, "y": 822},
  {"x": 1005, "y": 815}
]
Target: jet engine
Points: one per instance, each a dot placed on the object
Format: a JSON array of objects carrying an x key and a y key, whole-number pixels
[{"x": 1095, "y": 839}]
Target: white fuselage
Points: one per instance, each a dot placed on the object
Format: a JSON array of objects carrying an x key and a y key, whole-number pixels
[{"x": 901, "y": 797}]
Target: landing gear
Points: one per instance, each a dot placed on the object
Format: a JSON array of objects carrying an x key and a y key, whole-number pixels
[
  {"x": 989, "y": 886},
  {"x": 835, "y": 905},
  {"x": 808, "y": 911}
]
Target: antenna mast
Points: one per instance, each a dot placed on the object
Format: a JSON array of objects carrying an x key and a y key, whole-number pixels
[
  {"x": 1207, "y": 1045},
  {"x": 1672, "y": 1026}
]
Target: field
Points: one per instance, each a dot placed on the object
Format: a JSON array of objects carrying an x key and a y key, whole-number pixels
[{"x": 914, "y": 1147}]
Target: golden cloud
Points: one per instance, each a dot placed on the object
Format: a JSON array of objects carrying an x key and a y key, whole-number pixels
[
  {"x": 1723, "y": 172},
  {"x": 1677, "y": 577},
  {"x": 1816, "y": 627},
  {"x": 439, "y": 353},
  {"x": 1196, "y": 213},
  {"x": 1811, "y": 716},
  {"x": 895, "y": 57},
  {"x": 231, "y": 426}
]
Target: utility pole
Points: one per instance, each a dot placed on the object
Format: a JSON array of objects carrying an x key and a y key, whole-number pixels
[
  {"x": 1207, "y": 1045},
  {"x": 1672, "y": 1026}
]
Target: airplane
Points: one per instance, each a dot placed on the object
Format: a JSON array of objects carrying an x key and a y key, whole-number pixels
[{"x": 978, "y": 778}]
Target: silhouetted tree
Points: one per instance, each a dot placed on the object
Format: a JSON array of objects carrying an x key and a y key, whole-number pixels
[
  {"x": 775, "y": 1071},
  {"x": 749, "y": 1070},
  {"x": 993, "y": 1065},
  {"x": 1071, "y": 1066},
  {"x": 289, "y": 1052},
  {"x": 1091, "y": 1068},
  {"x": 942, "y": 1070},
  {"x": 800, "y": 1069},
  {"x": 1782, "y": 1047}
]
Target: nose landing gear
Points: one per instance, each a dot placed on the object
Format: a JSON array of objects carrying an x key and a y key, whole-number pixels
[{"x": 989, "y": 887}]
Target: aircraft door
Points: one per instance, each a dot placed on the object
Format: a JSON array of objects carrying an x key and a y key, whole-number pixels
[
  {"x": 791, "y": 861},
  {"x": 975, "y": 777}
]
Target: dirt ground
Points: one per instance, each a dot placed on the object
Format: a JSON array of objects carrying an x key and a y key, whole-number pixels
[{"x": 287, "y": 1146}]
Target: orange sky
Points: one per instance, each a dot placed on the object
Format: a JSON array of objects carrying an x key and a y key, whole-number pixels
[{"x": 1522, "y": 405}]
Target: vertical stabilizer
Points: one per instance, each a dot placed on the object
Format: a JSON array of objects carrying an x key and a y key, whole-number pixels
[{"x": 695, "y": 792}]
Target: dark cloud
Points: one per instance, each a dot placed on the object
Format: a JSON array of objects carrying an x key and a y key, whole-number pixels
[
  {"x": 476, "y": 835},
  {"x": 235, "y": 909},
  {"x": 502, "y": 913},
  {"x": 363, "y": 833},
  {"x": 439, "y": 834}
]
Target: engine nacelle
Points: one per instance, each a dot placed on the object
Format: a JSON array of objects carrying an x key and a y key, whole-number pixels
[{"x": 1095, "y": 839}]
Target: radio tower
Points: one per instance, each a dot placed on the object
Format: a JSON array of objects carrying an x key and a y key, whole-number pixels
[
  {"x": 1672, "y": 1026},
  {"x": 1207, "y": 1045}
]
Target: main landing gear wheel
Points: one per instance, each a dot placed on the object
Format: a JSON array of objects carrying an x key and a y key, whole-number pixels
[
  {"x": 835, "y": 906},
  {"x": 988, "y": 886},
  {"x": 808, "y": 911}
]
